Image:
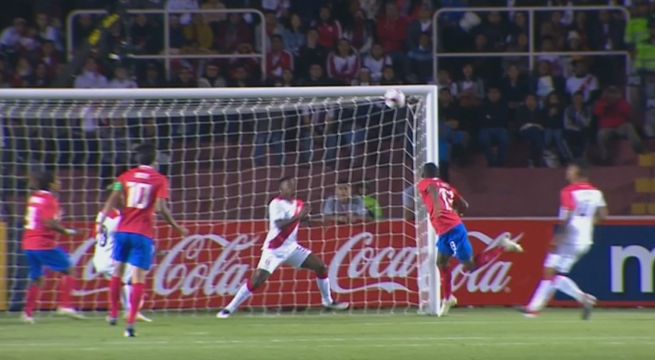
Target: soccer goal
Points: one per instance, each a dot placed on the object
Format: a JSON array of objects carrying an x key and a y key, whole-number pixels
[{"x": 224, "y": 151}]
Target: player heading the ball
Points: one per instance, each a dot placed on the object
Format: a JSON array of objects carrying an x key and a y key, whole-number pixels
[
  {"x": 444, "y": 205},
  {"x": 281, "y": 247},
  {"x": 42, "y": 217},
  {"x": 137, "y": 193},
  {"x": 582, "y": 207}
]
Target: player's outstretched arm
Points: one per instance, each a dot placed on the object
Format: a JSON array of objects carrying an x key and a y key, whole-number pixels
[
  {"x": 461, "y": 205},
  {"x": 112, "y": 203},
  {"x": 162, "y": 208},
  {"x": 58, "y": 227}
]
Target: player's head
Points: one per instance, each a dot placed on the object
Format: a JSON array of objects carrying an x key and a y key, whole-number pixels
[
  {"x": 430, "y": 170},
  {"x": 44, "y": 180},
  {"x": 343, "y": 191},
  {"x": 577, "y": 171},
  {"x": 287, "y": 186},
  {"x": 146, "y": 154}
]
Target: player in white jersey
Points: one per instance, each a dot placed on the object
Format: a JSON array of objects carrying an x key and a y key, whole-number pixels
[
  {"x": 103, "y": 261},
  {"x": 281, "y": 247},
  {"x": 582, "y": 207}
]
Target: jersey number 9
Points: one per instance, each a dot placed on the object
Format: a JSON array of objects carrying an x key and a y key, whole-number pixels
[{"x": 138, "y": 195}]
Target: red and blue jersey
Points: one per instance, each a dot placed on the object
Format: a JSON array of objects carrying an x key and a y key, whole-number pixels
[
  {"x": 142, "y": 187},
  {"x": 42, "y": 207},
  {"x": 446, "y": 218}
]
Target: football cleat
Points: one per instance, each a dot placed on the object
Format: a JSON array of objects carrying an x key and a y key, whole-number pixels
[
  {"x": 111, "y": 320},
  {"x": 27, "y": 319},
  {"x": 140, "y": 317},
  {"x": 339, "y": 306},
  {"x": 447, "y": 304},
  {"x": 129, "y": 332},
  {"x": 530, "y": 314},
  {"x": 70, "y": 312},
  {"x": 509, "y": 245},
  {"x": 588, "y": 303},
  {"x": 223, "y": 314}
]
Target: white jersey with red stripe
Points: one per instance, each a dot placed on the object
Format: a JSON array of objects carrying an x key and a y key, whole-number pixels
[
  {"x": 282, "y": 209},
  {"x": 581, "y": 201},
  {"x": 102, "y": 257}
]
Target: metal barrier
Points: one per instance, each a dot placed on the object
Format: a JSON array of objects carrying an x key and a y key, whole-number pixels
[
  {"x": 531, "y": 54},
  {"x": 166, "y": 55}
]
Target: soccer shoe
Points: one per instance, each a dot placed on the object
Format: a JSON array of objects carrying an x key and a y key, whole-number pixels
[
  {"x": 588, "y": 303},
  {"x": 27, "y": 319},
  {"x": 111, "y": 320},
  {"x": 139, "y": 317},
  {"x": 223, "y": 314},
  {"x": 529, "y": 313},
  {"x": 509, "y": 245},
  {"x": 129, "y": 332},
  {"x": 447, "y": 304},
  {"x": 339, "y": 306},
  {"x": 70, "y": 312}
]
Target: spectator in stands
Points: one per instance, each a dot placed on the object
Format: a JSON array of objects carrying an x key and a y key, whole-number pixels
[
  {"x": 91, "y": 76},
  {"x": 545, "y": 82},
  {"x": 278, "y": 59},
  {"x": 515, "y": 88},
  {"x": 329, "y": 29},
  {"x": 372, "y": 205},
  {"x": 637, "y": 30},
  {"x": 577, "y": 120},
  {"x": 146, "y": 35},
  {"x": 531, "y": 129},
  {"x": 422, "y": 25},
  {"x": 451, "y": 117},
  {"x": 392, "y": 33},
  {"x": 251, "y": 64},
  {"x": 294, "y": 35},
  {"x": 3, "y": 81},
  {"x": 287, "y": 80},
  {"x": 46, "y": 31},
  {"x": 376, "y": 60},
  {"x": 122, "y": 79},
  {"x": 315, "y": 76},
  {"x": 553, "y": 126},
  {"x": 607, "y": 34},
  {"x": 214, "y": 19},
  {"x": 420, "y": 61},
  {"x": 645, "y": 57},
  {"x": 49, "y": 57},
  {"x": 310, "y": 53},
  {"x": 212, "y": 76},
  {"x": 199, "y": 35},
  {"x": 232, "y": 32},
  {"x": 41, "y": 77},
  {"x": 615, "y": 119},
  {"x": 363, "y": 78},
  {"x": 83, "y": 27},
  {"x": 359, "y": 30},
  {"x": 185, "y": 78},
  {"x": 556, "y": 62},
  {"x": 555, "y": 29},
  {"x": 343, "y": 207},
  {"x": 574, "y": 42},
  {"x": 389, "y": 77},
  {"x": 582, "y": 81},
  {"x": 278, "y": 7},
  {"x": 518, "y": 27},
  {"x": 12, "y": 35},
  {"x": 493, "y": 127},
  {"x": 240, "y": 78},
  {"x": 152, "y": 78},
  {"x": 494, "y": 30},
  {"x": 343, "y": 64},
  {"x": 444, "y": 80},
  {"x": 178, "y": 5},
  {"x": 23, "y": 74},
  {"x": 471, "y": 88},
  {"x": 272, "y": 27},
  {"x": 176, "y": 37}
]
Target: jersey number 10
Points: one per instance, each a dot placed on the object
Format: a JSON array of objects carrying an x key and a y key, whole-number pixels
[{"x": 138, "y": 195}]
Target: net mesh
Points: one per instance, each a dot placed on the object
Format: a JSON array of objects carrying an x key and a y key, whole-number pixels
[{"x": 224, "y": 157}]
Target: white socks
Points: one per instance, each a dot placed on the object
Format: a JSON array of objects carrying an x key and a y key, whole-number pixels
[
  {"x": 324, "y": 287},
  {"x": 542, "y": 295},
  {"x": 569, "y": 287},
  {"x": 125, "y": 299},
  {"x": 241, "y": 296}
]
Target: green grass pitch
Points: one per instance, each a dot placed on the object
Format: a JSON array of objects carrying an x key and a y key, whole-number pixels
[{"x": 464, "y": 334}]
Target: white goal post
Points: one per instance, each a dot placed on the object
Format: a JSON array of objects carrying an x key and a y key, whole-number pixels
[{"x": 224, "y": 151}]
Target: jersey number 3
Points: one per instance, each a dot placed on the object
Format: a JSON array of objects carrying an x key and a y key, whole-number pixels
[{"x": 138, "y": 195}]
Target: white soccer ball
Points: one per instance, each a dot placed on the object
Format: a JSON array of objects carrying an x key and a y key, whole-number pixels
[{"x": 394, "y": 99}]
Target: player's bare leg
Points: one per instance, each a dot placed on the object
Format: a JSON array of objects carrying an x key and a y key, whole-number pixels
[
  {"x": 115, "y": 293},
  {"x": 449, "y": 300},
  {"x": 138, "y": 288},
  {"x": 33, "y": 293},
  {"x": 66, "y": 286},
  {"x": 244, "y": 293},
  {"x": 318, "y": 266}
]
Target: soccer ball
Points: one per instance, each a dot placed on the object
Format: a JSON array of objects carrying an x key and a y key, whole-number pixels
[{"x": 394, "y": 99}]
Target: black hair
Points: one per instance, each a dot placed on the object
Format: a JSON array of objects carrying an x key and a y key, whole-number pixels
[
  {"x": 277, "y": 36},
  {"x": 145, "y": 154},
  {"x": 430, "y": 170},
  {"x": 285, "y": 179},
  {"x": 343, "y": 182},
  {"x": 582, "y": 165},
  {"x": 43, "y": 179}
]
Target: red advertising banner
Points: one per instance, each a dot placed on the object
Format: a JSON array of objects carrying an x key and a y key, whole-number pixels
[{"x": 372, "y": 266}]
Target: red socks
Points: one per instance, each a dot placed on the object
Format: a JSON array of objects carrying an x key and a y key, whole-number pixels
[
  {"x": 488, "y": 256},
  {"x": 114, "y": 296},
  {"x": 66, "y": 286},
  {"x": 446, "y": 282},
  {"x": 32, "y": 297},
  {"x": 135, "y": 302}
]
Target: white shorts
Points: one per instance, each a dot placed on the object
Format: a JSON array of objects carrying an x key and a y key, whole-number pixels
[
  {"x": 106, "y": 266},
  {"x": 294, "y": 255},
  {"x": 565, "y": 256}
]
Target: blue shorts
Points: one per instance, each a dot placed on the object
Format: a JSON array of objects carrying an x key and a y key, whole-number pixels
[
  {"x": 134, "y": 249},
  {"x": 456, "y": 243},
  {"x": 55, "y": 259}
]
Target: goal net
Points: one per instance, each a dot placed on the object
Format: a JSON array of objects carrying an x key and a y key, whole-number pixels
[{"x": 224, "y": 151}]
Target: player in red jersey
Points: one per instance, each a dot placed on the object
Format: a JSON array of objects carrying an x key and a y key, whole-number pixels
[
  {"x": 582, "y": 207},
  {"x": 137, "y": 193},
  {"x": 41, "y": 228},
  {"x": 444, "y": 204}
]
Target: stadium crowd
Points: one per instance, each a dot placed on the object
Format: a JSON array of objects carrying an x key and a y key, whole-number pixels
[{"x": 559, "y": 108}]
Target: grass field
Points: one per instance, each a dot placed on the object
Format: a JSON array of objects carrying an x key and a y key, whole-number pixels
[{"x": 464, "y": 334}]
